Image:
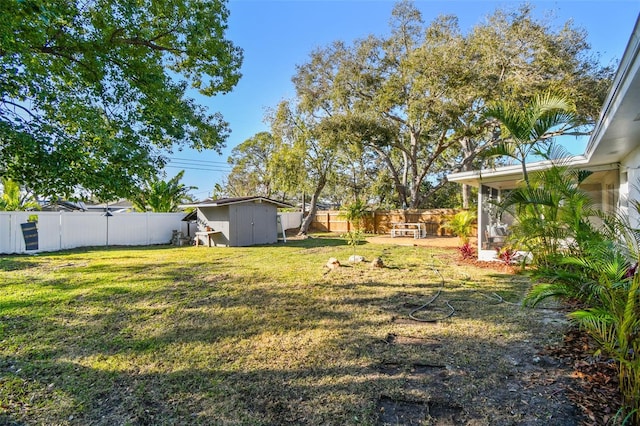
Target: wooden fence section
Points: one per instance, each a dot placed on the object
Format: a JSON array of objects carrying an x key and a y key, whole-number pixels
[{"x": 381, "y": 221}]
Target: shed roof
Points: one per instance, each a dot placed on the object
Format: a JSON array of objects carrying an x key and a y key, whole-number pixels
[
  {"x": 192, "y": 215},
  {"x": 237, "y": 200}
]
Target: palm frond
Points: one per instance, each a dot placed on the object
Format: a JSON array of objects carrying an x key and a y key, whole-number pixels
[
  {"x": 541, "y": 292},
  {"x": 599, "y": 323},
  {"x": 502, "y": 149}
]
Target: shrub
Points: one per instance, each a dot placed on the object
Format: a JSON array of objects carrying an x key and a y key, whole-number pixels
[
  {"x": 598, "y": 266},
  {"x": 467, "y": 251},
  {"x": 506, "y": 254},
  {"x": 462, "y": 225}
]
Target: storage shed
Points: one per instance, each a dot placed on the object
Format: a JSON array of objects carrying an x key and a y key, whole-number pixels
[{"x": 238, "y": 222}]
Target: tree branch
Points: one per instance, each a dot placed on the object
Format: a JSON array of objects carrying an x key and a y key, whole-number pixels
[
  {"x": 137, "y": 41},
  {"x": 55, "y": 52},
  {"x": 15, "y": 105}
]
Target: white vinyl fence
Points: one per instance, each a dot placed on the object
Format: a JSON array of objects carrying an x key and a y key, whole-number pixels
[
  {"x": 66, "y": 230},
  {"x": 290, "y": 220}
]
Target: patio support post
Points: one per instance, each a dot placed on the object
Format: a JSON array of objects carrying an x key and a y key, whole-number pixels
[{"x": 480, "y": 219}]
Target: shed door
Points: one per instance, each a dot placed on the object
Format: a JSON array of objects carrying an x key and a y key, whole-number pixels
[
  {"x": 254, "y": 223},
  {"x": 263, "y": 224},
  {"x": 244, "y": 225}
]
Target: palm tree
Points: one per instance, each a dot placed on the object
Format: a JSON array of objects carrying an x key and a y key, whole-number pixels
[
  {"x": 354, "y": 213},
  {"x": 551, "y": 213},
  {"x": 602, "y": 273},
  {"x": 163, "y": 196},
  {"x": 14, "y": 199},
  {"x": 524, "y": 128},
  {"x": 613, "y": 322},
  {"x": 462, "y": 225}
]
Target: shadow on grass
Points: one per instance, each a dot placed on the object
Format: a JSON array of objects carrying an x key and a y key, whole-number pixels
[
  {"x": 111, "y": 248},
  {"x": 16, "y": 263},
  {"x": 215, "y": 342},
  {"x": 316, "y": 242},
  {"x": 343, "y": 383},
  {"x": 191, "y": 396}
]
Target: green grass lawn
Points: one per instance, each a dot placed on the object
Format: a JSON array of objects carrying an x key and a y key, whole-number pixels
[{"x": 260, "y": 335}]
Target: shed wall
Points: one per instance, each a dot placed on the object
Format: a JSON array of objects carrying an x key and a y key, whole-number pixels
[{"x": 218, "y": 219}]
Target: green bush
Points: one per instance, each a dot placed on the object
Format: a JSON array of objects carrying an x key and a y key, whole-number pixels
[
  {"x": 576, "y": 260},
  {"x": 462, "y": 225}
]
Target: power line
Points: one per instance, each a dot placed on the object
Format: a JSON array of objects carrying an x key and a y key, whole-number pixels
[
  {"x": 200, "y": 166},
  {"x": 206, "y": 169},
  {"x": 188, "y": 163},
  {"x": 193, "y": 160}
]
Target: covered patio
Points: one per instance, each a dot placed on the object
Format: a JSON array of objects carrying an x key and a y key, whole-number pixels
[
  {"x": 612, "y": 154},
  {"x": 493, "y": 227}
]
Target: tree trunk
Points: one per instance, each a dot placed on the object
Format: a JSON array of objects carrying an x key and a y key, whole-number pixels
[
  {"x": 468, "y": 151},
  {"x": 466, "y": 195},
  {"x": 313, "y": 207},
  {"x": 400, "y": 185}
]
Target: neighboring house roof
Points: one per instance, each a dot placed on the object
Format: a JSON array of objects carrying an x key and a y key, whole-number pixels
[
  {"x": 61, "y": 205},
  {"x": 237, "y": 200},
  {"x": 615, "y": 135},
  {"x": 115, "y": 206}
]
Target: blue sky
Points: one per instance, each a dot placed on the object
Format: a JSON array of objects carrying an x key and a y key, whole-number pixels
[{"x": 277, "y": 35}]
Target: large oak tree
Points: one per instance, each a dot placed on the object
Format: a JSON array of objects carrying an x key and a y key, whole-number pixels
[
  {"x": 428, "y": 86},
  {"x": 94, "y": 92}
]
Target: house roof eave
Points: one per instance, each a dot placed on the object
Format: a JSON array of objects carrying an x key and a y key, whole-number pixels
[
  {"x": 511, "y": 172},
  {"x": 623, "y": 80}
]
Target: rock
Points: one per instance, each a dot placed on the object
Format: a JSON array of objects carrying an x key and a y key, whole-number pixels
[
  {"x": 333, "y": 263},
  {"x": 377, "y": 263},
  {"x": 354, "y": 258}
]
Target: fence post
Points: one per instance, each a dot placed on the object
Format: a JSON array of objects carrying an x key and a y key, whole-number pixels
[
  {"x": 60, "y": 230},
  {"x": 375, "y": 225},
  {"x": 328, "y": 222},
  {"x": 14, "y": 233}
]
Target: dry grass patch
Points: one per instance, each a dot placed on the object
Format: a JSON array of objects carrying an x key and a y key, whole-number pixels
[{"x": 268, "y": 335}]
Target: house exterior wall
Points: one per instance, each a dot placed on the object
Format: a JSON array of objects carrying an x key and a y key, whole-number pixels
[
  {"x": 630, "y": 185},
  {"x": 602, "y": 187},
  {"x": 610, "y": 191}
]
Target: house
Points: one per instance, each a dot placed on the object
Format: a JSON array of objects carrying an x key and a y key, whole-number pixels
[
  {"x": 237, "y": 222},
  {"x": 120, "y": 206},
  {"x": 612, "y": 153},
  {"x": 63, "y": 206}
]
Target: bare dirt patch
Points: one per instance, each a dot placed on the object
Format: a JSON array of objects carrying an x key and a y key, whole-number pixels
[
  {"x": 562, "y": 378},
  {"x": 431, "y": 241}
]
